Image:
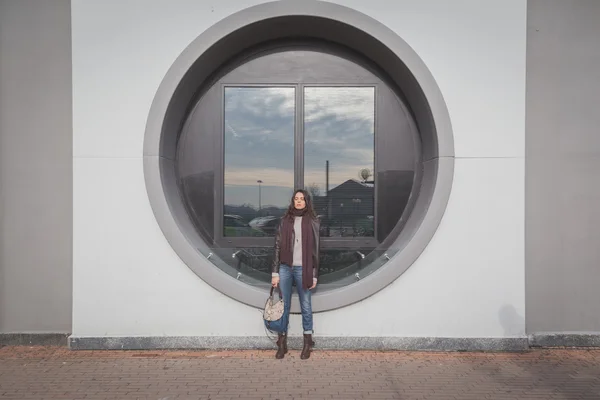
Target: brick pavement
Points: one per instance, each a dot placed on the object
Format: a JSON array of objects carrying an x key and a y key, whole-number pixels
[{"x": 28, "y": 373}]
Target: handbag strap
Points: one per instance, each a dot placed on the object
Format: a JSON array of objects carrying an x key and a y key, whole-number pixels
[{"x": 278, "y": 290}]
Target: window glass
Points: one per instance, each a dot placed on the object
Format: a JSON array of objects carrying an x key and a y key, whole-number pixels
[
  {"x": 259, "y": 158},
  {"x": 306, "y": 118},
  {"x": 339, "y": 158}
]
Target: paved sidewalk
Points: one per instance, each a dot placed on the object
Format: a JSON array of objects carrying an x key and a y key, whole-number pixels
[{"x": 28, "y": 373}]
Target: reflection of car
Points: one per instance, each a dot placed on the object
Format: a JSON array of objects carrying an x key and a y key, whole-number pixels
[
  {"x": 267, "y": 224},
  {"x": 231, "y": 218},
  {"x": 234, "y": 225},
  {"x": 255, "y": 221}
]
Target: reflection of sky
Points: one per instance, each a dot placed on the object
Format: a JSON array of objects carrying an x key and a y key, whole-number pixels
[
  {"x": 259, "y": 136},
  {"x": 339, "y": 127},
  {"x": 258, "y": 123},
  {"x": 259, "y": 145}
]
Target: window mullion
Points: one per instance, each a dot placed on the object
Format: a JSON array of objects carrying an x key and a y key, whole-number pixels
[{"x": 299, "y": 138}]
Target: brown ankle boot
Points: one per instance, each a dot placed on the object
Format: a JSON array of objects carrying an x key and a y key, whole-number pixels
[
  {"x": 308, "y": 344},
  {"x": 281, "y": 346}
]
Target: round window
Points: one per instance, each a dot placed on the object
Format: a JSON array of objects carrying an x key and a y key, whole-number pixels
[
  {"x": 282, "y": 96},
  {"x": 299, "y": 116}
]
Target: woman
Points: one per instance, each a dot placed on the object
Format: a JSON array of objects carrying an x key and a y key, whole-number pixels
[{"x": 297, "y": 260}]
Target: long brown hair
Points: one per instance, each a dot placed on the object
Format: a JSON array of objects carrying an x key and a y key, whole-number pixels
[{"x": 310, "y": 212}]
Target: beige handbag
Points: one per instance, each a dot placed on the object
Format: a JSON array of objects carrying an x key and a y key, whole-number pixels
[{"x": 273, "y": 310}]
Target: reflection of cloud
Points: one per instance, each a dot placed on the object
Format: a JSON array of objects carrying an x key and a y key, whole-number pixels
[
  {"x": 262, "y": 100},
  {"x": 249, "y": 176},
  {"x": 259, "y": 133},
  {"x": 254, "y": 112},
  {"x": 336, "y": 177},
  {"x": 339, "y": 125},
  {"x": 349, "y": 103},
  {"x": 230, "y": 128},
  {"x": 360, "y": 154},
  {"x": 259, "y": 125},
  {"x": 285, "y": 178}
]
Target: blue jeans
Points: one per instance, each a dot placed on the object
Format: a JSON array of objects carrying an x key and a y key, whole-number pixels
[{"x": 288, "y": 275}]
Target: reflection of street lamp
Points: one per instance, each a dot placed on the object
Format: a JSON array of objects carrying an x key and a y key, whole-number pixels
[
  {"x": 356, "y": 208},
  {"x": 341, "y": 218},
  {"x": 259, "y": 197}
]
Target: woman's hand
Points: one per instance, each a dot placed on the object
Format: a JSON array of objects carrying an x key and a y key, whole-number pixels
[
  {"x": 314, "y": 284},
  {"x": 274, "y": 281}
]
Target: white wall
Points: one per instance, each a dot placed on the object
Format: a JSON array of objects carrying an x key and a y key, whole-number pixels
[{"x": 469, "y": 282}]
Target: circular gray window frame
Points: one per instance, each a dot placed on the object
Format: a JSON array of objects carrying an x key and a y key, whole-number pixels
[{"x": 287, "y": 19}]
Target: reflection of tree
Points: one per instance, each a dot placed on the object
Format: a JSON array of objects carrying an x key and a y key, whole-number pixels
[{"x": 314, "y": 190}]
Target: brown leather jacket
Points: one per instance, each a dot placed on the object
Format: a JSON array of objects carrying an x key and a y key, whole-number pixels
[{"x": 315, "y": 223}]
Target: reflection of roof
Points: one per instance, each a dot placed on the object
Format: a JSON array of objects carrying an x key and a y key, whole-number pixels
[
  {"x": 352, "y": 182},
  {"x": 369, "y": 184}
]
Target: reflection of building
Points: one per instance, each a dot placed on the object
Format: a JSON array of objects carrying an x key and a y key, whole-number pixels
[
  {"x": 354, "y": 200},
  {"x": 93, "y": 220},
  {"x": 350, "y": 199},
  {"x": 347, "y": 210}
]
